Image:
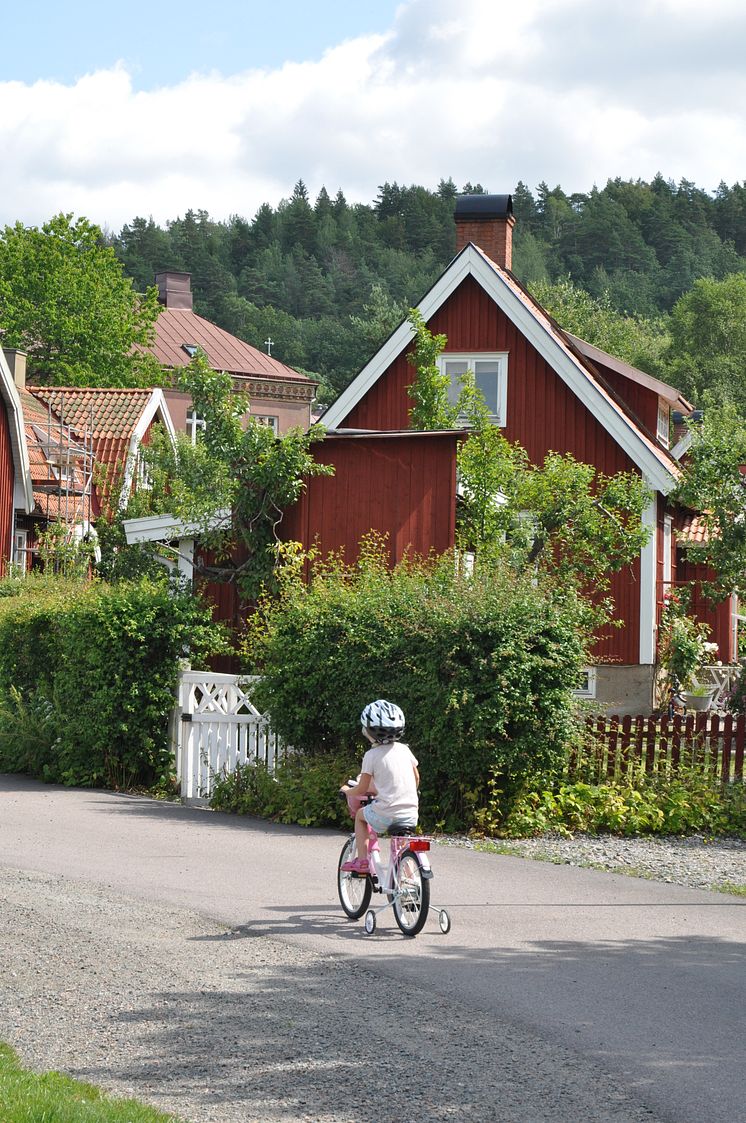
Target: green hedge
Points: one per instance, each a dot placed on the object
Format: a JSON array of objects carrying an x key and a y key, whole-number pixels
[
  {"x": 87, "y": 678},
  {"x": 483, "y": 668}
]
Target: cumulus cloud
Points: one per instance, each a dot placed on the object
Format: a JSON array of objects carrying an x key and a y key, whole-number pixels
[{"x": 567, "y": 91}]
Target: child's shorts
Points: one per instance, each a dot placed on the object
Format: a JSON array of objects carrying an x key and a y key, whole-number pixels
[{"x": 379, "y": 823}]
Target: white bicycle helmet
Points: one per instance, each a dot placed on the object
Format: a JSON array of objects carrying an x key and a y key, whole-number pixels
[{"x": 383, "y": 720}]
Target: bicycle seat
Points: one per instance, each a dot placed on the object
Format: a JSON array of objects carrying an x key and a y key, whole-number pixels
[{"x": 400, "y": 830}]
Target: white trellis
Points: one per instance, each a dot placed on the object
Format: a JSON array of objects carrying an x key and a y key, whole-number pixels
[{"x": 218, "y": 728}]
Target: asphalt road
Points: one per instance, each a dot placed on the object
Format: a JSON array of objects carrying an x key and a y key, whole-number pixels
[{"x": 643, "y": 981}]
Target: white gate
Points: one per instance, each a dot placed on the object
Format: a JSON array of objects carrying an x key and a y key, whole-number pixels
[{"x": 218, "y": 728}]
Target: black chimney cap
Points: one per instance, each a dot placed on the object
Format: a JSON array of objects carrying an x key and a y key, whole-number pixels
[{"x": 483, "y": 206}]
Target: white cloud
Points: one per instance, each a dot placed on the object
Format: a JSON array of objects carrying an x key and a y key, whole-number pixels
[{"x": 568, "y": 91}]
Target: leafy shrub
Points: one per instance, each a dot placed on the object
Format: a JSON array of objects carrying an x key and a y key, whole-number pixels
[
  {"x": 88, "y": 673},
  {"x": 303, "y": 790},
  {"x": 483, "y": 668},
  {"x": 683, "y": 803}
]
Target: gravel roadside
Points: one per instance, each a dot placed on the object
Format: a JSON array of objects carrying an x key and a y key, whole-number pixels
[
  {"x": 696, "y": 861},
  {"x": 224, "y": 1027}
]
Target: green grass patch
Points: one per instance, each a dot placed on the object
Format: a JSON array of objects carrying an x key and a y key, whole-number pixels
[
  {"x": 50, "y": 1097},
  {"x": 731, "y": 887}
]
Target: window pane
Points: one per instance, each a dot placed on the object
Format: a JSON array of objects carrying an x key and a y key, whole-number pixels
[
  {"x": 486, "y": 375},
  {"x": 455, "y": 368}
]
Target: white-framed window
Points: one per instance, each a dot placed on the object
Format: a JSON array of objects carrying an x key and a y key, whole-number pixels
[
  {"x": 20, "y": 550},
  {"x": 667, "y": 552},
  {"x": 490, "y": 370},
  {"x": 587, "y": 688},
  {"x": 142, "y": 476},
  {"x": 663, "y": 432},
  {"x": 271, "y": 422},
  {"x": 193, "y": 425}
]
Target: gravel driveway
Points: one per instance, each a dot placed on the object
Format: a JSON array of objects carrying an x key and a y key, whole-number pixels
[{"x": 223, "y": 1027}]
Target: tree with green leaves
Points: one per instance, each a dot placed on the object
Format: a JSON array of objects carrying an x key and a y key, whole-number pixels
[
  {"x": 639, "y": 341},
  {"x": 432, "y": 408},
  {"x": 237, "y": 466},
  {"x": 65, "y": 300},
  {"x": 708, "y": 340},
  {"x": 714, "y": 485}
]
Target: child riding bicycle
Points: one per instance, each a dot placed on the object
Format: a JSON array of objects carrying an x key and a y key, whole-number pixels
[{"x": 388, "y": 773}]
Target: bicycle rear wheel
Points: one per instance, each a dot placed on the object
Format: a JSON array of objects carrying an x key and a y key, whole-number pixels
[
  {"x": 413, "y": 897},
  {"x": 354, "y": 891}
]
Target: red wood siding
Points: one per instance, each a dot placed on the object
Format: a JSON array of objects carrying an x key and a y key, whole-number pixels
[
  {"x": 404, "y": 487},
  {"x": 640, "y": 400},
  {"x": 7, "y": 476},
  {"x": 543, "y": 415},
  {"x": 719, "y": 617}
]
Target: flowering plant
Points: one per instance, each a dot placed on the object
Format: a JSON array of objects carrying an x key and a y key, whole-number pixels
[{"x": 682, "y": 645}]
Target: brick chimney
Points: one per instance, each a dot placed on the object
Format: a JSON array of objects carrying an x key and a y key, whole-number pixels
[
  {"x": 16, "y": 361},
  {"x": 487, "y": 221},
  {"x": 175, "y": 290}
]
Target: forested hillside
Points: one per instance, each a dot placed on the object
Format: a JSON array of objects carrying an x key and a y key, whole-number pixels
[{"x": 327, "y": 280}]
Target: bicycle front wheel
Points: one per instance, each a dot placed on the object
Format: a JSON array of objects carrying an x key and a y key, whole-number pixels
[
  {"x": 412, "y": 899},
  {"x": 354, "y": 891}
]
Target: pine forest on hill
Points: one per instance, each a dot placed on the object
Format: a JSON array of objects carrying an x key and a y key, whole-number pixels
[{"x": 652, "y": 272}]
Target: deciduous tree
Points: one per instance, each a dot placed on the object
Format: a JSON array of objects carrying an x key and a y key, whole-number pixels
[{"x": 65, "y": 300}]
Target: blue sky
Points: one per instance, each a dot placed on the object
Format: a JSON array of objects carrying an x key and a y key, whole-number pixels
[
  {"x": 117, "y": 111},
  {"x": 161, "y": 43}
]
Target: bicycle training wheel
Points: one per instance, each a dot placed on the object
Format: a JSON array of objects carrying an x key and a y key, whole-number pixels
[
  {"x": 354, "y": 891},
  {"x": 413, "y": 899}
]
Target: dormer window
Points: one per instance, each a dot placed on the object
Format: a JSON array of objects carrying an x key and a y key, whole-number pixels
[
  {"x": 663, "y": 432},
  {"x": 190, "y": 348},
  {"x": 490, "y": 370}
]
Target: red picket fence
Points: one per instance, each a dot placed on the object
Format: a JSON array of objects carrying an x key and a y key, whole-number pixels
[{"x": 618, "y": 746}]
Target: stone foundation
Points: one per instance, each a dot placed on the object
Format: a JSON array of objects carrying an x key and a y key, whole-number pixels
[{"x": 625, "y": 689}]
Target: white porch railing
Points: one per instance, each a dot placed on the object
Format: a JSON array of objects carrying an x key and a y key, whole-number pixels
[{"x": 217, "y": 728}]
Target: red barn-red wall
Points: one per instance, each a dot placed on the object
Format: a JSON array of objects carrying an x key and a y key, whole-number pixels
[
  {"x": 7, "y": 476},
  {"x": 402, "y": 486},
  {"x": 543, "y": 414}
]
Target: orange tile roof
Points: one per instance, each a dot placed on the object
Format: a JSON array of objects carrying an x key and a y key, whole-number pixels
[
  {"x": 108, "y": 416},
  {"x": 176, "y": 327},
  {"x": 693, "y": 531},
  {"x": 100, "y": 412}
]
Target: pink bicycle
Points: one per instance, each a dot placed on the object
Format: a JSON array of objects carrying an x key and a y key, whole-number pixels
[{"x": 403, "y": 878}]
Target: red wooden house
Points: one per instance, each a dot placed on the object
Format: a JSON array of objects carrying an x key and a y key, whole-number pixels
[
  {"x": 547, "y": 390},
  {"x": 16, "y": 494}
]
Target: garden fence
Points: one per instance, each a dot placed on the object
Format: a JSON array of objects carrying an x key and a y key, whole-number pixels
[{"x": 618, "y": 747}]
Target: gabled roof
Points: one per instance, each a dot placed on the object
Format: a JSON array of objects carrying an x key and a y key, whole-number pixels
[
  {"x": 116, "y": 420},
  {"x": 656, "y": 465},
  {"x": 177, "y": 328},
  {"x": 23, "y": 497}
]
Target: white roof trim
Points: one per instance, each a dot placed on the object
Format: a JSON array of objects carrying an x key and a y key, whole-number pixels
[
  {"x": 472, "y": 262},
  {"x": 164, "y": 528},
  {"x": 156, "y": 405},
  {"x": 682, "y": 445},
  {"x": 23, "y": 488}
]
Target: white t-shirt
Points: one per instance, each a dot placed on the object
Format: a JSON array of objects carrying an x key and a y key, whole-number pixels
[{"x": 392, "y": 769}]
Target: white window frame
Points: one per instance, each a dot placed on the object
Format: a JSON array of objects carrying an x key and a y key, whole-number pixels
[
  {"x": 667, "y": 553},
  {"x": 472, "y": 357},
  {"x": 663, "y": 425},
  {"x": 20, "y": 549},
  {"x": 588, "y": 690},
  {"x": 270, "y": 420},
  {"x": 193, "y": 424}
]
